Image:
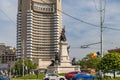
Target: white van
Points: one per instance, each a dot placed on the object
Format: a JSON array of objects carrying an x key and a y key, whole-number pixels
[{"x": 111, "y": 75}]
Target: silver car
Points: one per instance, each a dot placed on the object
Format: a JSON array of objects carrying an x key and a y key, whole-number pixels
[{"x": 53, "y": 76}]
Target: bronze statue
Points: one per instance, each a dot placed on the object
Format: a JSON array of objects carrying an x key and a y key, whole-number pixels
[
  {"x": 74, "y": 62},
  {"x": 52, "y": 63},
  {"x": 57, "y": 59},
  {"x": 68, "y": 49},
  {"x": 63, "y": 37}
]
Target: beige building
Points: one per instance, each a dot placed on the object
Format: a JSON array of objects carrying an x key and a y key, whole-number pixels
[
  {"x": 39, "y": 25},
  {"x": 7, "y": 54}
]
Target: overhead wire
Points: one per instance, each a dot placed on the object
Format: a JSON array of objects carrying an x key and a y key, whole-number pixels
[
  {"x": 78, "y": 19},
  {"x": 104, "y": 8},
  {"x": 104, "y": 11},
  {"x": 72, "y": 18},
  {"x": 93, "y": 25},
  {"x": 7, "y": 16},
  {"x": 96, "y": 6}
]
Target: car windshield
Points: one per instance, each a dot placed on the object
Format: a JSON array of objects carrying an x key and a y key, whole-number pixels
[
  {"x": 52, "y": 74},
  {"x": 84, "y": 73},
  {"x": 74, "y": 72}
]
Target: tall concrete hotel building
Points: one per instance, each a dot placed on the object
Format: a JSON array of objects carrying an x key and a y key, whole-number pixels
[{"x": 39, "y": 25}]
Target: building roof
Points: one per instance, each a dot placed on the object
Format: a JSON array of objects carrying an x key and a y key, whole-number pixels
[{"x": 114, "y": 50}]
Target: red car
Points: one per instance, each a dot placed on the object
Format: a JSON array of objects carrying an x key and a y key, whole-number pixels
[{"x": 69, "y": 75}]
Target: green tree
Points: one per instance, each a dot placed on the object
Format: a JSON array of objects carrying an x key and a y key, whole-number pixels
[
  {"x": 28, "y": 67},
  {"x": 110, "y": 61},
  {"x": 89, "y": 62}
]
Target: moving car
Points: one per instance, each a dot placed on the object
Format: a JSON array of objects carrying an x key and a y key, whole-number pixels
[
  {"x": 53, "y": 76},
  {"x": 70, "y": 75}
]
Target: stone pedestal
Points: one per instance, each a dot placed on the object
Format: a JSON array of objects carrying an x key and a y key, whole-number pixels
[
  {"x": 65, "y": 63},
  {"x": 64, "y": 56},
  {"x": 63, "y": 69}
]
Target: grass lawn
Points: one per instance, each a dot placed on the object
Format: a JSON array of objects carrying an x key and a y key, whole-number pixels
[{"x": 39, "y": 76}]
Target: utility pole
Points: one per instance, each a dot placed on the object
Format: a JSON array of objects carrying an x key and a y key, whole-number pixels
[
  {"x": 23, "y": 58},
  {"x": 102, "y": 9},
  {"x": 102, "y": 14}
]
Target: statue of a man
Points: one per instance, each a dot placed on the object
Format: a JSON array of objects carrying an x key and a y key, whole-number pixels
[
  {"x": 52, "y": 63},
  {"x": 63, "y": 37},
  {"x": 68, "y": 48},
  {"x": 74, "y": 62},
  {"x": 57, "y": 59}
]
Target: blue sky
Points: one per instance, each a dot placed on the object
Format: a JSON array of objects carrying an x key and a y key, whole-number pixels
[{"x": 77, "y": 33}]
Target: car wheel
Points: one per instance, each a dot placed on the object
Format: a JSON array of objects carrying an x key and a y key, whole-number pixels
[
  {"x": 62, "y": 79},
  {"x": 71, "y": 78},
  {"x": 46, "y": 79}
]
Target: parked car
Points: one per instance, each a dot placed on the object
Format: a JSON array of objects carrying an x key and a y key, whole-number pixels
[
  {"x": 111, "y": 75},
  {"x": 53, "y": 76},
  {"x": 83, "y": 76},
  {"x": 69, "y": 75},
  {"x": 2, "y": 77},
  {"x": 108, "y": 74}
]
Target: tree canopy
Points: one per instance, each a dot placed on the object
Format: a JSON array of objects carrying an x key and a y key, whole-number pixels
[
  {"x": 28, "y": 67},
  {"x": 89, "y": 62},
  {"x": 110, "y": 61}
]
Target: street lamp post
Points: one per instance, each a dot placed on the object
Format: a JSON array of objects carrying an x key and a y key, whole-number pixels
[
  {"x": 9, "y": 69},
  {"x": 23, "y": 59}
]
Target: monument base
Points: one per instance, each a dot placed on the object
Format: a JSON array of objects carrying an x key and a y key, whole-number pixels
[
  {"x": 63, "y": 63},
  {"x": 63, "y": 69}
]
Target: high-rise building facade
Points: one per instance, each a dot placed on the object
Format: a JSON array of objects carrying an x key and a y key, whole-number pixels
[{"x": 39, "y": 25}]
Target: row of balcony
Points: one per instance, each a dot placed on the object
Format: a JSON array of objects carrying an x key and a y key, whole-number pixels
[{"x": 41, "y": 14}]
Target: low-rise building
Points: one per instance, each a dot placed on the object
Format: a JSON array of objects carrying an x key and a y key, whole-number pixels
[
  {"x": 114, "y": 50},
  {"x": 7, "y": 54}
]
